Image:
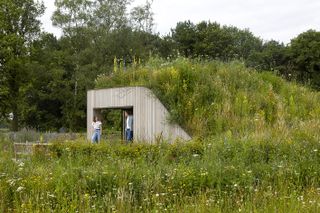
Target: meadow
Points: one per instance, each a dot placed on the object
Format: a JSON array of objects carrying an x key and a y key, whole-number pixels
[
  {"x": 214, "y": 175},
  {"x": 255, "y": 148}
]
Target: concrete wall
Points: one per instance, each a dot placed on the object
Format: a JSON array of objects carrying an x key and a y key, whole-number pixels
[{"x": 149, "y": 114}]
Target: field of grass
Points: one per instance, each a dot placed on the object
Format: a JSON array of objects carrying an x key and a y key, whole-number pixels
[
  {"x": 213, "y": 175},
  {"x": 255, "y": 148}
]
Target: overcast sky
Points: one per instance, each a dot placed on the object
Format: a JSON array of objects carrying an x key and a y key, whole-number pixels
[{"x": 280, "y": 20}]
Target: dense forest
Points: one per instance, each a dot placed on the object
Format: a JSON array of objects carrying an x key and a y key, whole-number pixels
[{"x": 44, "y": 79}]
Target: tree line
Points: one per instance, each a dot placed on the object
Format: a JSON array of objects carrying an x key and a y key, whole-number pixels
[{"x": 44, "y": 79}]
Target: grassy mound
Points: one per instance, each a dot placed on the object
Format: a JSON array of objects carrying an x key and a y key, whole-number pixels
[{"x": 215, "y": 98}]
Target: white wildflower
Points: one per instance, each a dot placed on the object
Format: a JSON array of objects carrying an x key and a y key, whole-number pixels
[
  {"x": 51, "y": 195},
  {"x": 11, "y": 182},
  {"x": 20, "y": 188}
]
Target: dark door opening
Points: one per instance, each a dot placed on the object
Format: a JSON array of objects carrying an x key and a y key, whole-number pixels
[{"x": 113, "y": 123}]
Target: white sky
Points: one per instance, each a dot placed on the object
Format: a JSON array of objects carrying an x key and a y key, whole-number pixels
[{"x": 280, "y": 20}]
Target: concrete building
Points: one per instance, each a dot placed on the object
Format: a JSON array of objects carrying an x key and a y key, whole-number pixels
[{"x": 149, "y": 114}]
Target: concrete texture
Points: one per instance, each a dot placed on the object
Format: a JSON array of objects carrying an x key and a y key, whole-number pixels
[{"x": 149, "y": 114}]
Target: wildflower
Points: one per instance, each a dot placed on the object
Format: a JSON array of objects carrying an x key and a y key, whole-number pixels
[
  {"x": 20, "y": 188},
  {"x": 157, "y": 195},
  {"x": 315, "y": 150},
  {"x": 51, "y": 195},
  {"x": 11, "y": 182},
  {"x": 195, "y": 155},
  {"x": 204, "y": 174}
]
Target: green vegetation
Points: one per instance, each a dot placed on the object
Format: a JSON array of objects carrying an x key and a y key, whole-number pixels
[
  {"x": 212, "y": 175},
  {"x": 44, "y": 79},
  {"x": 214, "y": 98},
  {"x": 256, "y": 139},
  {"x": 255, "y": 148}
]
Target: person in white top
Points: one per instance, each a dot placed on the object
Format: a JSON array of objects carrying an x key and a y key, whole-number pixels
[
  {"x": 97, "y": 126},
  {"x": 129, "y": 125}
]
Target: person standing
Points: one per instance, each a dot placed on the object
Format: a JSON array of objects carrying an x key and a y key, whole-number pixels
[
  {"x": 97, "y": 127},
  {"x": 129, "y": 125}
]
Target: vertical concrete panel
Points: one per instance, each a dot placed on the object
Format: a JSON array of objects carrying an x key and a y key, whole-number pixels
[{"x": 90, "y": 103}]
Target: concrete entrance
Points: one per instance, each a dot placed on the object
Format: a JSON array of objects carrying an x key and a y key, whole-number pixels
[{"x": 150, "y": 116}]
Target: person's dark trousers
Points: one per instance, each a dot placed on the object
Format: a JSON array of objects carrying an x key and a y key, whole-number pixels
[{"x": 129, "y": 135}]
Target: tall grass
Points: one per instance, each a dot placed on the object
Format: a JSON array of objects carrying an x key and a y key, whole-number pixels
[
  {"x": 215, "y": 175},
  {"x": 214, "y": 98}
]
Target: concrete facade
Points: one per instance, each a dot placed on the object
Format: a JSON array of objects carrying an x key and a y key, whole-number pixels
[{"x": 149, "y": 114}]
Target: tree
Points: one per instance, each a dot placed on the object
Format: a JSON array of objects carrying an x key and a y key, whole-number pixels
[
  {"x": 210, "y": 40},
  {"x": 185, "y": 36},
  {"x": 271, "y": 57},
  {"x": 305, "y": 56},
  {"x": 73, "y": 17},
  {"x": 94, "y": 33},
  {"x": 142, "y": 17},
  {"x": 19, "y": 26},
  {"x": 45, "y": 97},
  {"x": 244, "y": 43}
]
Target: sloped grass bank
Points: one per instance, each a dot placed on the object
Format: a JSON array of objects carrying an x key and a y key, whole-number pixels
[
  {"x": 213, "y": 98},
  {"x": 215, "y": 175}
]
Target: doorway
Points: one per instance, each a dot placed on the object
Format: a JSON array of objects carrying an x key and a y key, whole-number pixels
[{"x": 113, "y": 123}]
